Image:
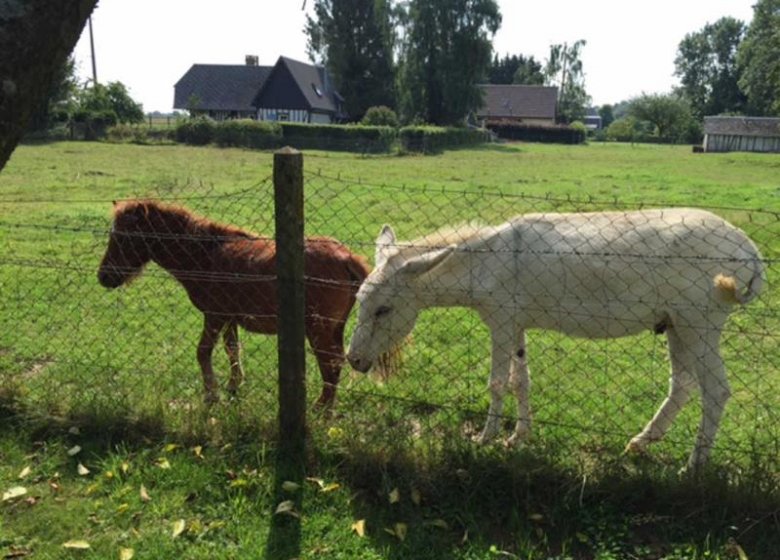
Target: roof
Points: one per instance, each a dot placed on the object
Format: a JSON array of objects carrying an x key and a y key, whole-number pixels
[
  {"x": 312, "y": 81},
  {"x": 501, "y": 101},
  {"x": 743, "y": 126},
  {"x": 220, "y": 87}
]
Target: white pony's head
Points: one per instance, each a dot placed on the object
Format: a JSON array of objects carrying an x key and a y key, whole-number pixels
[{"x": 389, "y": 298}]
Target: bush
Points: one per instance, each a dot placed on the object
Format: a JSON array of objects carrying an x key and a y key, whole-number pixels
[
  {"x": 140, "y": 134},
  {"x": 356, "y": 138},
  {"x": 380, "y": 116},
  {"x": 435, "y": 139},
  {"x": 248, "y": 133},
  {"x": 198, "y": 131},
  {"x": 558, "y": 134}
]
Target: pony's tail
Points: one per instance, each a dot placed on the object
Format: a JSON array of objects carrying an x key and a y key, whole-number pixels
[{"x": 727, "y": 291}]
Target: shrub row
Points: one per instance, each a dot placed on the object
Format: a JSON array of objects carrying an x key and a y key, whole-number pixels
[
  {"x": 353, "y": 138},
  {"x": 434, "y": 139},
  {"x": 559, "y": 134},
  {"x": 141, "y": 134},
  {"x": 349, "y": 138}
]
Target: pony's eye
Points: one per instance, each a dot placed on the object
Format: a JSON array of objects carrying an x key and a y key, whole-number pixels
[{"x": 382, "y": 311}]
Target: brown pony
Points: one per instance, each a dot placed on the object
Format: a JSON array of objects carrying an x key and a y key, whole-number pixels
[{"x": 230, "y": 275}]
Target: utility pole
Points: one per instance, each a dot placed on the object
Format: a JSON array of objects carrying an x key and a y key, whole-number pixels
[{"x": 92, "y": 49}]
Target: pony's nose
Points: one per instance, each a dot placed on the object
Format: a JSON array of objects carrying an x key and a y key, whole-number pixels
[
  {"x": 106, "y": 280},
  {"x": 360, "y": 364}
]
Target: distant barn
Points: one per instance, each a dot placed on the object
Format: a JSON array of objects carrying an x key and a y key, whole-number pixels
[{"x": 741, "y": 134}]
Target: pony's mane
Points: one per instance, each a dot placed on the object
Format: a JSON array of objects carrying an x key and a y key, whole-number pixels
[{"x": 192, "y": 223}]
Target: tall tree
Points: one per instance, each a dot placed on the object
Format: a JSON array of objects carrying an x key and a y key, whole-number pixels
[
  {"x": 355, "y": 41},
  {"x": 607, "y": 115},
  {"x": 759, "y": 60},
  {"x": 669, "y": 114},
  {"x": 36, "y": 37},
  {"x": 707, "y": 66},
  {"x": 515, "y": 69},
  {"x": 446, "y": 52},
  {"x": 563, "y": 69}
]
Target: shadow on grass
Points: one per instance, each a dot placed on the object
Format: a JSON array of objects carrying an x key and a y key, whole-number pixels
[{"x": 475, "y": 503}]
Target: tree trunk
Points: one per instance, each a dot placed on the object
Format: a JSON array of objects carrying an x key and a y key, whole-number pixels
[{"x": 36, "y": 36}]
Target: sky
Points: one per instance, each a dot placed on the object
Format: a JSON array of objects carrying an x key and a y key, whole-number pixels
[{"x": 149, "y": 44}]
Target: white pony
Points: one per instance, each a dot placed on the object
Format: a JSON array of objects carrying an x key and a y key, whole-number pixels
[{"x": 592, "y": 275}]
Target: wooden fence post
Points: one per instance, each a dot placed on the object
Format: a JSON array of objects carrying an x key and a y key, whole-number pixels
[{"x": 288, "y": 201}]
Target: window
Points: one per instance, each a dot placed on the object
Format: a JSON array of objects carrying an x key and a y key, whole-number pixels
[{"x": 284, "y": 116}]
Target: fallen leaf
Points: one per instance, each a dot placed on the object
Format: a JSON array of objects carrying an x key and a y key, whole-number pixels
[
  {"x": 440, "y": 523},
  {"x": 335, "y": 433},
  {"x": 14, "y": 492},
  {"x": 74, "y": 450},
  {"x": 398, "y": 530},
  {"x": 109, "y": 474},
  {"x": 289, "y": 486},
  {"x": 25, "y": 472},
  {"x": 79, "y": 545},
  {"x": 536, "y": 517},
  {"x": 163, "y": 463},
  {"x": 74, "y": 430},
  {"x": 144, "y": 494},
  {"x": 394, "y": 496},
  {"x": 126, "y": 553},
  {"x": 359, "y": 527},
  {"x": 198, "y": 451},
  {"x": 178, "y": 528},
  {"x": 125, "y": 467},
  {"x": 171, "y": 447},
  {"x": 318, "y": 481},
  {"x": 330, "y": 487},
  {"x": 122, "y": 508},
  {"x": 55, "y": 487},
  {"x": 82, "y": 470},
  {"x": 287, "y": 507}
]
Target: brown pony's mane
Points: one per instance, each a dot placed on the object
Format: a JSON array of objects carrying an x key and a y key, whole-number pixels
[{"x": 177, "y": 215}]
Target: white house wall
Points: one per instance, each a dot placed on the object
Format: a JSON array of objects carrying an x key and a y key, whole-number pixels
[{"x": 292, "y": 115}]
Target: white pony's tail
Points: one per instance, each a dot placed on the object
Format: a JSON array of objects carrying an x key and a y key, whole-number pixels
[{"x": 727, "y": 291}]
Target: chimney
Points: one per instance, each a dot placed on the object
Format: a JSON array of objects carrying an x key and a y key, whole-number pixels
[{"x": 252, "y": 60}]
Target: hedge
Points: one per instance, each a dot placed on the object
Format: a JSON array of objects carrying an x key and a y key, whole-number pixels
[
  {"x": 349, "y": 138},
  {"x": 560, "y": 134},
  {"x": 141, "y": 134},
  {"x": 354, "y": 138},
  {"x": 248, "y": 133},
  {"x": 434, "y": 139}
]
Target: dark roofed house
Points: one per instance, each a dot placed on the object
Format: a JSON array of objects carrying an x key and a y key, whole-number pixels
[
  {"x": 288, "y": 91},
  {"x": 741, "y": 134},
  {"x": 518, "y": 103},
  {"x": 296, "y": 91}
]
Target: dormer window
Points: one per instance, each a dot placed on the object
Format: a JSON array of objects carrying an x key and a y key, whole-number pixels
[{"x": 317, "y": 90}]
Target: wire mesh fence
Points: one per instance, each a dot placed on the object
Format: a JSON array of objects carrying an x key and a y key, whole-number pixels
[{"x": 69, "y": 346}]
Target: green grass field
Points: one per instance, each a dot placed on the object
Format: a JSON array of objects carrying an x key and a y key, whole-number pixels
[{"x": 114, "y": 373}]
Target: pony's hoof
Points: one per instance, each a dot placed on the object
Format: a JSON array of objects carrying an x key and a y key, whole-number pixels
[
  {"x": 484, "y": 437},
  {"x": 636, "y": 446},
  {"x": 516, "y": 440},
  {"x": 211, "y": 399}
]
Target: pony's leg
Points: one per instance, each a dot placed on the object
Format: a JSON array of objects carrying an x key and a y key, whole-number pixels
[
  {"x": 520, "y": 385},
  {"x": 328, "y": 347},
  {"x": 208, "y": 338},
  {"x": 233, "y": 350},
  {"x": 715, "y": 392},
  {"x": 682, "y": 383},
  {"x": 501, "y": 359}
]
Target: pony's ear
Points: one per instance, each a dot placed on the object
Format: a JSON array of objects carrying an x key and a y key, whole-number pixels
[
  {"x": 427, "y": 261},
  {"x": 113, "y": 203},
  {"x": 384, "y": 242}
]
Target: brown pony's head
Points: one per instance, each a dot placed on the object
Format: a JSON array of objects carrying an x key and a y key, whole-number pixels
[{"x": 128, "y": 244}]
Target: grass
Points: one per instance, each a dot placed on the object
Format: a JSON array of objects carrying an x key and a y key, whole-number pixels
[{"x": 115, "y": 374}]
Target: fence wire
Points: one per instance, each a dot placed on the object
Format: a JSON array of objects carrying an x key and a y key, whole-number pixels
[{"x": 69, "y": 346}]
